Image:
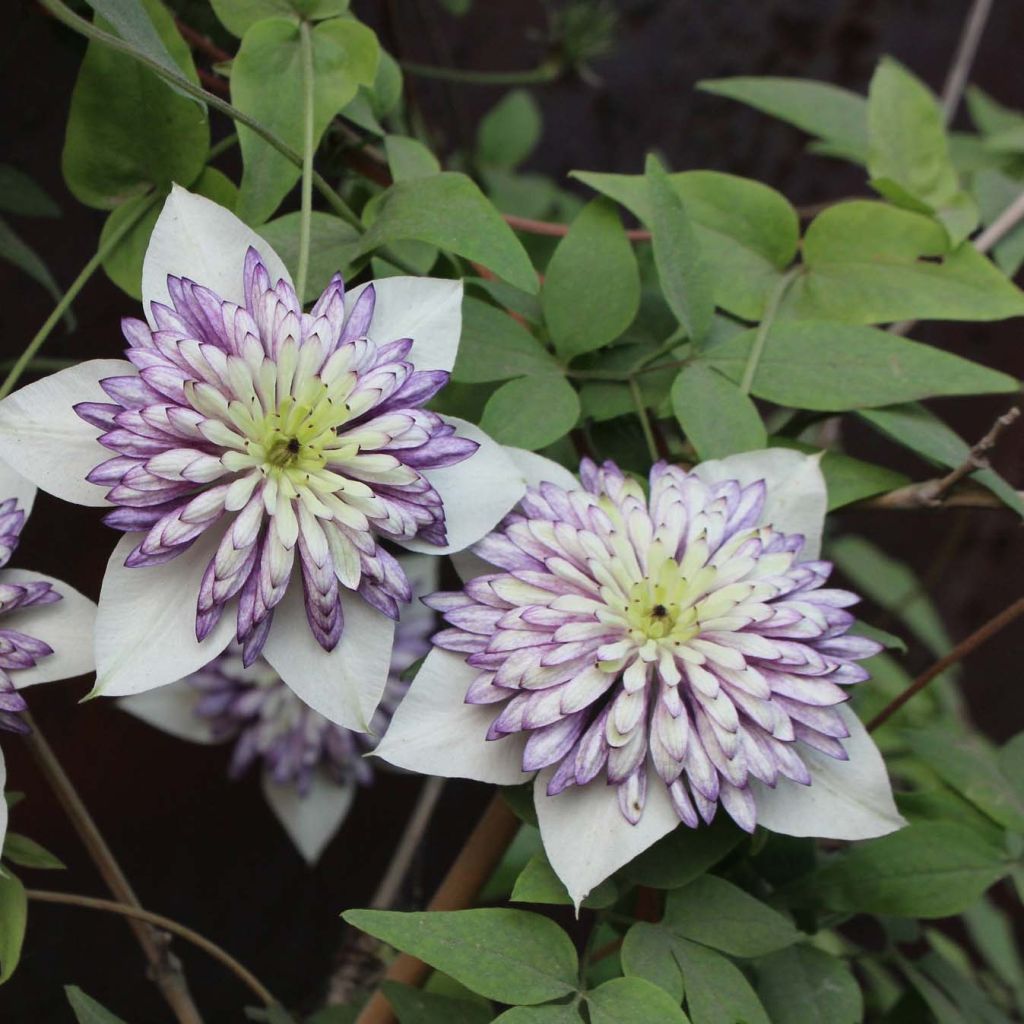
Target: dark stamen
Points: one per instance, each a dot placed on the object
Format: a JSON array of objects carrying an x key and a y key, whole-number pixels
[
  {"x": 659, "y": 611},
  {"x": 293, "y": 445}
]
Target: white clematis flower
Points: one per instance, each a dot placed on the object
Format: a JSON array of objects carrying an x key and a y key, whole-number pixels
[
  {"x": 46, "y": 626},
  {"x": 256, "y": 456},
  {"x": 650, "y": 659}
]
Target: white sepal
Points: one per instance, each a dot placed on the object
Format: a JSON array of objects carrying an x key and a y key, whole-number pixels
[{"x": 435, "y": 732}]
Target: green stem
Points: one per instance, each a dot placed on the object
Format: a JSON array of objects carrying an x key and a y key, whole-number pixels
[
  {"x": 48, "y": 363},
  {"x": 308, "y": 145},
  {"x": 546, "y": 72},
  {"x": 645, "y": 420},
  {"x": 86, "y": 28},
  {"x": 222, "y": 147},
  {"x": 106, "y": 247},
  {"x": 770, "y": 311}
]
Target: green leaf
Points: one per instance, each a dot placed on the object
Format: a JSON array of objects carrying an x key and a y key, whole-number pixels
[
  {"x": 908, "y": 152},
  {"x": 942, "y": 1010},
  {"x": 865, "y": 262},
  {"x": 846, "y": 478},
  {"x": 893, "y": 586},
  {"x": 647, "y": 953},
  {"x": 238, "y": 16},
  {"x": 716, "y": 990},
  {"x": 992, "y": 934},
  {"x": 538, "y": 883},
  {"x": 27, "y": 853},
  {"x": 513, "y": 299},
  {"x": 995, "y": 191},
  {"x": 18, "y": 252},
  {"x": 448, "y": 210},
  {"x": 716, "y": 913},
  {"x": 803, "y": 985},
  {"x": 931, "y": 869},
  {"x": 131, "y": 21},
  {"x": 409, "y": 158},
  {"x": 20, "y": 195},
  {"x": 591, "y": 290},
  {"x": 127, "y": 131},
  {"x": 510, "y": 130},
  {"x": 989, "y": 116},
  {"x": 717, "y": 418},
  {"x": 13, "y": 918},
  {"x": 531, "y": 412},
  {"x": 821, "y": 109},
  {"x": 972, "y": 1002},
  {"x": 633, "y": 1001},
  {"x": 511, "y": 956},
  {"x": 495, "y": 346},
  {"x": 920, "y": 430},
  {"x": 562, "y": 1013},
  {"x": 971, "y": 767},
  {"x": 684, "y": 854},
  {"x": 332, "y": 243},
  {"x": 748, "y": 232},
  {"x": 123, "y": 263},
  {"x": 833, "y": 367},
  {"x": 267, "y": 84},
  {"x": 685, "y": 276},
  {"x": 87, "y": 1010},
  {"x": 414, "y": 1006}
]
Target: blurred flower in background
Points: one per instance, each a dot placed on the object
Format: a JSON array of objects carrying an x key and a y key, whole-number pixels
[{"x": 311, "y": 767}]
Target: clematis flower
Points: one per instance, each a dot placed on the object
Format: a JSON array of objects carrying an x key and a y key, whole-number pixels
[
  {"x": 311, "y": 767},
  {"x": 257, "y": 456},
  {"x": 653, "y": 658},
  {"x": 45, "y": 625}
]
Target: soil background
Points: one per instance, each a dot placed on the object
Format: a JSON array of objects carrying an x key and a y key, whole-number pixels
[{"x": 206, "y": 851}]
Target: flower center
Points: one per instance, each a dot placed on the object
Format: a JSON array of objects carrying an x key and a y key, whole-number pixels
[{"x": 661, "y": 607}]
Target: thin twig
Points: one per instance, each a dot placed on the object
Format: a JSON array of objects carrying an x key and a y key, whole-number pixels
[
  {"x": 977, "y": 457},
  {"x": 936, "y": 493},
  {"x": 165, "y": 969},
  {"x": 916, "y": 496},
  {"x": 960, "y": 651},
  {"x": 391, "y": 883},
  {"x": 363, "y": 949},
  {"x": 135, "y": 913},
  {"x": 473, "y": 866},
  {"x": 970, "y": 36},
  {"x": 202, "y": 43},
  {"x": 1001, "y": 226}
]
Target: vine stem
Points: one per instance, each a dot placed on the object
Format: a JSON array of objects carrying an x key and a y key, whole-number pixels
[
  {"x": 476, "y": 861},
  {"x": 86, "y": 28},
  {"x": 135, "y": 913},
  {"x": 644, "y": 418},
  {"x": 306, "y": 209},
  {"x": 961, "y": 650},
  {"x": 764, "y": 327},
  {"x": 546, "y": 72},
  {"x": 165, "y": 970},
  {"x": 966, "y": 50},
  {"x": 106, "y": 247}
]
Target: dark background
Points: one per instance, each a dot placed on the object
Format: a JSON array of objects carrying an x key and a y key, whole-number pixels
[{"x": 208, "y": 852}]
